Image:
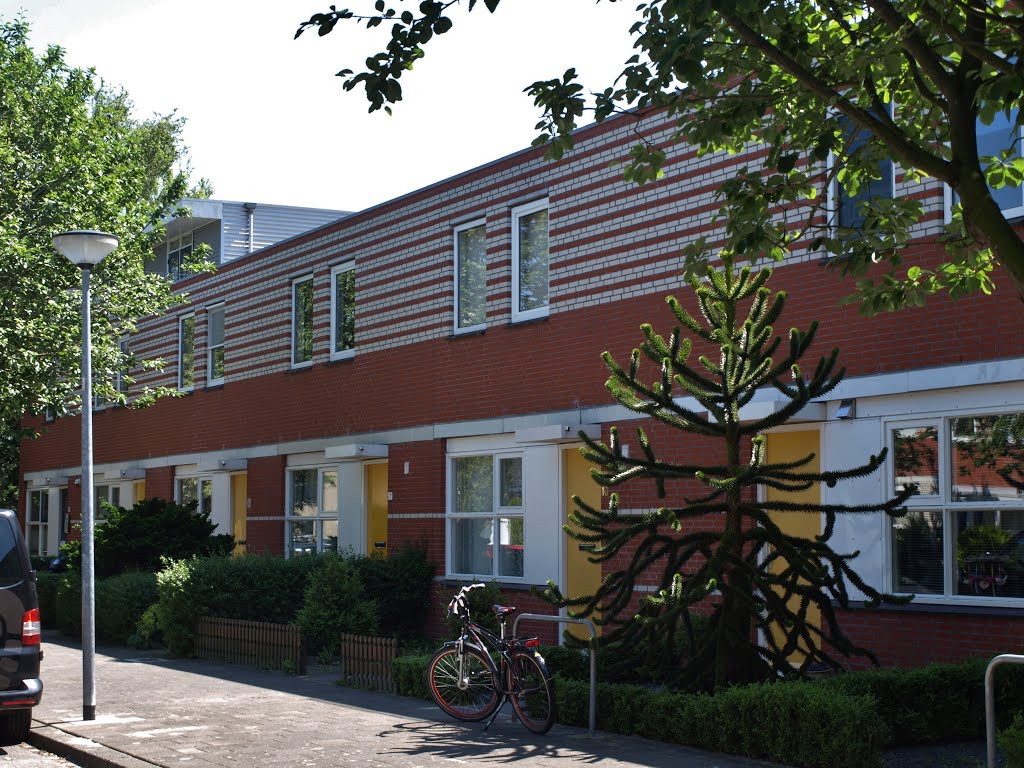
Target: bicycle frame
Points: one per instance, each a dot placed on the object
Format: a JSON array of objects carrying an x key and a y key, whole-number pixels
[
  {"x": 472, "y": 677},
  {"x": 487, "y": 643}
]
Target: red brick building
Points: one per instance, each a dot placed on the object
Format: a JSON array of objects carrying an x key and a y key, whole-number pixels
[{"x": 419, "y": 372}]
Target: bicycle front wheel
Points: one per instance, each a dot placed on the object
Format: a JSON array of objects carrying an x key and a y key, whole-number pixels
[
  {"x": 467, "y": 694},
  {"x": 533, "y": 692}
]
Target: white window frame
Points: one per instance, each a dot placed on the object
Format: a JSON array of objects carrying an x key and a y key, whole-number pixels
[
  {"x": 211, "y": 347},
  {"x": 321, "y": 516},
  {"x": 120, "y": 383},
  {"x": 202, "y": 480},
  {"x": 457, "y": 256},
  {"x": 945, "y": 505},
  {"x": 518, "y": 213},
  {"x": 108, "y": 492},
  {"x": 341, "y": 354},
  {"x": 1011, "y": 214},
  {"x": 834, "y": 186},
  {"x": 176, "y": 245},
  {"x": 294, "y": 320},
  {"x": 182, "y": 319},
  {"x": 42, "y": 524},
  {"x": 495, "y": 515}
]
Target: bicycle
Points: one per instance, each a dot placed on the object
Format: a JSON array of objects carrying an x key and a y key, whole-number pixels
[{"x": 467, "y": 682}]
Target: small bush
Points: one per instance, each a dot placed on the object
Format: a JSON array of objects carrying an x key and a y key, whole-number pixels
[
  {"x": 46, "y": 587},
  {"x": 137, "y": 539},
  {"x": 69, "y": 603},
  {"x": 1011, "y": 741},
  {"x": 120, "y": 603},
  {"x": 410, "y": 674},
  {"x": 334, "y": 603},
  {"x": 402, "y": 582}
]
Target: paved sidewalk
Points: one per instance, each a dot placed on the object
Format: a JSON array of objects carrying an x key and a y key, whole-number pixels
[{"x": 154, "y": 711}]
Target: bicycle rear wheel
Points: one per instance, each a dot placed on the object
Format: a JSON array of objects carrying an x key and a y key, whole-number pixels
[
  {"x": 533, "y": 693},
  {"x": 475, "y": 699}
]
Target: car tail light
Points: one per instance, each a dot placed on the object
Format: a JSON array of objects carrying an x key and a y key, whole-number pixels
[{"x": 30, "y": 628}]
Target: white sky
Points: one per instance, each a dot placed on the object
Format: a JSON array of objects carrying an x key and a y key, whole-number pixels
[{"x": 268, "y": 120}]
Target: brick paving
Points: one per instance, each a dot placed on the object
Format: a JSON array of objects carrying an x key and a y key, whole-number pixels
[{"x": 155, "y": 711}]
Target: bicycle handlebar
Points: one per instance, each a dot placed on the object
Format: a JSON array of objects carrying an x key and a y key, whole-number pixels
[{"x": 459, "y": 605}]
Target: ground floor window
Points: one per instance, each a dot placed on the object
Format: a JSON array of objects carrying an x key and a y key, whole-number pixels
[
  {"x": 105, "y": 495},
  {"x": 963, "y": 535},
  {"x": 38, "y": 522},
  {"x": 198, "y": 490},
  {"x": 485, "y": 515},
  {"x": 312, "y": 512}
]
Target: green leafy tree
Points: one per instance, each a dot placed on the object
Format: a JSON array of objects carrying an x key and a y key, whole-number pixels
[
  {"x": 804, "y": 79},
  {"x": 747, "y": 572},
  {"x": 141, "y": 538},
  {"x": 73, "y": 157}
]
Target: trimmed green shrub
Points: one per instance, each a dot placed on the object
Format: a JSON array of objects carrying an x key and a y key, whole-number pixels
[
  {"x": 334, "y": 602},
  {"x": 410, "y": 674},
  {"x": 254, "y": 587},
  {"x": 46, "y": 588},
  {"x": 801, "y": 724},
  {"x": 137, "y": 539},
  {"x": 69, "y": 603},
  {"x": 120, "y": 603},
  {"x": 1011, "y": 741},
  {"x": 402, "y": 584},
  {"x": 940, "y": 702}
]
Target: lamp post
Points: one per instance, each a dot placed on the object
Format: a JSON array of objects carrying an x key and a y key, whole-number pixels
[{"x": 86, "y": 249}]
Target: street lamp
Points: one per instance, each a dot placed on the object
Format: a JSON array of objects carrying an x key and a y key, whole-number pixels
[{"x": 86, "y": 249}]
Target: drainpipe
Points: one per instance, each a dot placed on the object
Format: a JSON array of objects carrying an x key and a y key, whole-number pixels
[{"x": 249, "y": 209}]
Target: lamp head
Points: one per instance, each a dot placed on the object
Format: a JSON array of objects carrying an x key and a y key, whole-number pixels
[{"x": 85, "y": 247}]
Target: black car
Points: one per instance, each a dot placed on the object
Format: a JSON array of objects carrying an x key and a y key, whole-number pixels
[{"x": 20, "y": 632}]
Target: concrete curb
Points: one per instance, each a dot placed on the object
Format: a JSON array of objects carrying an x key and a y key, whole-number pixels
[{"x": 81, "y": 751}]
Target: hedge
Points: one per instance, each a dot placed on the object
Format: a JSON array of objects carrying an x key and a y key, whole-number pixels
[
  {"x": 801, "y": 724},
  {"x": 940, "y": 702}
]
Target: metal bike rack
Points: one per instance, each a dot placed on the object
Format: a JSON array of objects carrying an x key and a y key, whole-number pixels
[
  {"x": 593, "y": 652},
  {"x": 990, "y": 702}
]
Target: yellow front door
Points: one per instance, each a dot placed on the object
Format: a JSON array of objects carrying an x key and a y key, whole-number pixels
[
  {"x": 377, "y": 509},
  {"x": 239, "y": 504},
  {"x": 791, "y": 446},
  {"x": 582, "y": 577}
]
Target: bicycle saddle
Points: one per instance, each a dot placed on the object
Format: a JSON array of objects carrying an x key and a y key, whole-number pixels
[{"x": 502, "y": 611}]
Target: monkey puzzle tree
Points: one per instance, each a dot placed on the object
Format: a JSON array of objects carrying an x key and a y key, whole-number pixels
[{"x": 746, "y": 571}]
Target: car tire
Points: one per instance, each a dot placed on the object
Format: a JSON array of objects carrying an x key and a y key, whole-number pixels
[{"x": 15, "y": 726}]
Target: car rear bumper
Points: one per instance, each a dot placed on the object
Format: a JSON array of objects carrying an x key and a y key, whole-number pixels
[{"x": 29, "y": 694}]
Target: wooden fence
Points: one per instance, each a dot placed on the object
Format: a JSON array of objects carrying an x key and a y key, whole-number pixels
[
  {"x": 366, "y": 661},
  {"x": 258, "y": 643}
]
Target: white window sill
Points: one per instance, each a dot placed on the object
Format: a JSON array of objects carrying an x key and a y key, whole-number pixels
[{"x": 347, "y": 354}]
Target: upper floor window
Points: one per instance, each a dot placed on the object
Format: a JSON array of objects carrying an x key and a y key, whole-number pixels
[
  {"x": 187, "y": 352},
  {"x": 471, "y": 276},
  {"x": 1003, "y": 135},
  {"x": 849, "y": 206},
  {"x": 312, "y": 511},
  {"x": 120, "y": 379},
  {"x": 485, "y": 515},
  {"x": 179, "y": 249},
  {"x": 343, "y": 310},
  {"x": 964, "y": 533},
  {"x": 215, "y": 345},
  {"x": 302, "y": 321},
  {"x": 530, "y": 261}
]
